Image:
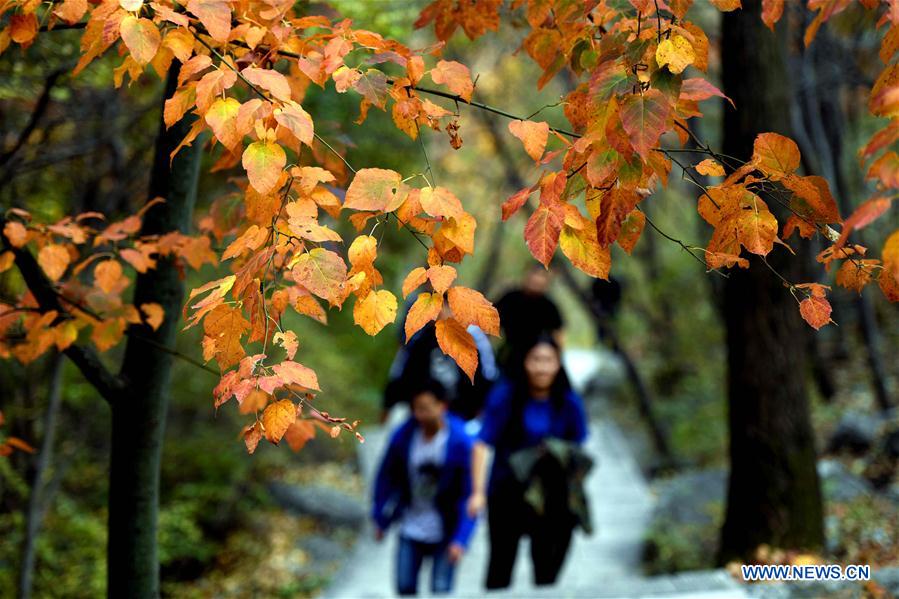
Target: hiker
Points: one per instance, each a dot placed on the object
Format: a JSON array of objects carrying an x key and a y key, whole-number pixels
[
  {"x": 535, "y": 423},
  {"x": 423, "y": 485},
  {"x": 421, "y": 358},
  {"x": 527, "y": 312}
]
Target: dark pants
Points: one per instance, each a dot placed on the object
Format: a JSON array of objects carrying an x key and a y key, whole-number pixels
[
  {"x": 509, "y": 518},
  {"x": 409, "y": 557}
]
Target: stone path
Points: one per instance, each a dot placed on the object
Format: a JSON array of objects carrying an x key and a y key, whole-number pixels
[{"x": 604, "y": 565}]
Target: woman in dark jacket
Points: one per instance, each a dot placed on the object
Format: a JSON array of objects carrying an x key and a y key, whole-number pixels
[{"x": 536, "y": 403}]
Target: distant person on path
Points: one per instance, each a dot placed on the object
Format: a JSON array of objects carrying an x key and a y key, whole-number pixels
[
  {"x": 535, "y": 408},
  {"x": 422, "y": 359},
  {"x": 527, "y": 312},
  {"x": 423, "y": 485}
]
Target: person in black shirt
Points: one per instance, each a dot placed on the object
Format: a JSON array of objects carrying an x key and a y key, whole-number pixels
[{"x": 526, "y": 313}]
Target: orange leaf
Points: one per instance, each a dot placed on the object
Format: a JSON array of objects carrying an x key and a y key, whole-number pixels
[
  {"x": 226, "y": 325},
  {"x": 222, "y": 119},
  {"x": 277, "y": 418},
  {"x": 251, "y": 437},
  {"x": 215, "y": 15},
  {"x": 16, "y": 233},
  {"x": 469, "y": 307},
  {"x": 775, "y": 155},
  {"x": 294, "y": 373},
  {"x": 771, "y": 12},
  {"x": 583, "y": 250},
  {"x": 455, "y": 76},
  {"x": 643, "y": 117},
  {"x": 426, "y": 308},
  {"x": 710, "y": 168},
  {"x": 107, "y": 275},
  {"x": 141, "y": 37},
  {"x": 815, "y": 311},
  {"x": 272, "y": 81},
  {"x": 54, "y": 259},
  {"x": 458, "y": 344},
  {"x": 375, "y": 311},
  {"x": 292, "y": 116},
  {"x": 757, "y": 230},
  {"x": 855, "y": 274},
  {"x": 322, "y": 272},
  {"x": 299, "y": 433},
  {"x": 532, "y": 135},
  {"x": 263, "y": 162},
  {"x": 414, "y": 280},
  {"x": 441, "y": 277},
  {"x": 440, "y": 202},
  {"x": 631, "y": 229},
  {"x": 372, "y": 189},
  {"x": 542, "y": 232},
  {"x": 615, "y": 205},
  {"x": 287, "y": 340},
  {"x": 154, "y": 314}
]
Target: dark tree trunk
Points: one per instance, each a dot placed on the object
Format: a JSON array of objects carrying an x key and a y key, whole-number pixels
[
  {"x": 773, "y": 491},
  {"x": 138, "y": 416},
  {"x": 38, "y": 498}
]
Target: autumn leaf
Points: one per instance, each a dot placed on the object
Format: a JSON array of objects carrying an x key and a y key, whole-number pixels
[
  {"x": 584, "y": 251},
  {"x": 375, "y": 311},
  {"x": 815, "y": 311},
  {"x": 676, "y": 53},
  {"x": 292, "y": 116},
  {"x": 757, "y": 230},
  {"x": 215, "y": 15},
  {"x": 251, "y": 437},
  {"x": 16, "y": 233},
  {"x": 855, "y": 274},
  {"x": 372, "y": 189},
  {"x": 710, "y": 168},
  {"x": 299, "y": 433},
  {"x": 141, "y": 37},
  {"x": 440, "y": 202},
  {"x": 322, "y": 272},
  {"x": 226, "y": 325},
  {"x": 54, "y": 259},
  {"x": 771, "y": 12},
  {"x": 264, "y": 162},
  {"x": 775, "y": 155},
  {"x": 542, "y": 232},
  {"x": 426, "y": 308},
  {"x": 631, "y": 229},
  {"x": 414, "y": 280},
  {"x": 469, "y": 306},
  {"x": 643, "y": 117},
  {"x": 270, "y": 80},
  {"x": 294, "y": 373},
  {"x": 533, "y": 135},
  {"x": 287, "y": 340},
  {"x": 441, "y": 277},
  {"x": 455, "y": 76},
  {"x": 222, "y": 119},
  {"x": 107, "y": 275},
  {"x": 153, "y": 314},
  {"x": 615, "y": 205},
  {"x": 457, "y": 343},
  {"x": 277, "y": 418}
]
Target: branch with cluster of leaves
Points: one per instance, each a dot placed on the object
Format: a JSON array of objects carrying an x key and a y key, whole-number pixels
[{"x": 243, "y": 73}]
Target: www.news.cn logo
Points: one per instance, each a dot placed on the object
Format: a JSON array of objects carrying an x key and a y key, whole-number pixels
[{"x": 806, "y": 572}]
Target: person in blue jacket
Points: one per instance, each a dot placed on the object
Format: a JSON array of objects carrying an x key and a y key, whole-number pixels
[
  {"x": 423, "y": 485},
  {"x": 534, "y": 403}
]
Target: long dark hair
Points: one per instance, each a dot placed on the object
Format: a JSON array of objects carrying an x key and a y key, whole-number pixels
[{"x": 521, "y": 389}]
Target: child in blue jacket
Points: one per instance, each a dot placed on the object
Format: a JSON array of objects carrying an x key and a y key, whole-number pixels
[{"x": 423, "y": 485}]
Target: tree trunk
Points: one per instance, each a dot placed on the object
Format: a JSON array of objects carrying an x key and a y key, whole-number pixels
[
  {"x": 138, "y": 416},
  {"x": 773, "y": 490},
  {"x": 37, "y": 501}
]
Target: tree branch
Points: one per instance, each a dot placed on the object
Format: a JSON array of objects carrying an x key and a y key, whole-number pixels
[{"x": 85, "y": 358}]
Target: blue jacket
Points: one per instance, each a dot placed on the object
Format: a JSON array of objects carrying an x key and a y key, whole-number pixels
[{"x": 392, "y": 493}]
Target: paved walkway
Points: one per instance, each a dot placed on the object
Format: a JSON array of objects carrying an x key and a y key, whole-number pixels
[{"x": 604, "y": 565}]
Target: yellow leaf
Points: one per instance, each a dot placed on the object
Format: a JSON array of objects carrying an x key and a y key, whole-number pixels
[
  {"x": 263, "y": 162},
  {"x": 53, "y": 259},
  {"x": 426, "y": 308},
  {"x": 141, "y": 37},
  {"x": 471, "y": 307},
  {"x": 375, "y": 311},
  {"x": 675, "y": 52},
  {"x": 277, "y": 418}
]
